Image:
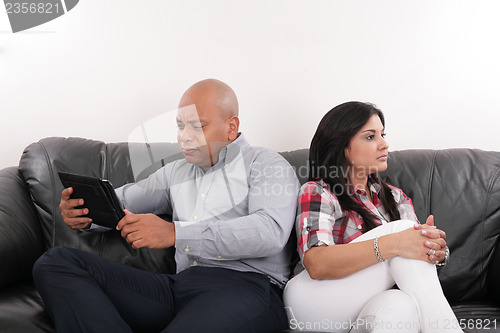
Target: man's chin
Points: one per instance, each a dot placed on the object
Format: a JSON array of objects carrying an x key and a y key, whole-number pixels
[
  {"x": 190, "y": 159},
  {"x": 195, "y": 160}
]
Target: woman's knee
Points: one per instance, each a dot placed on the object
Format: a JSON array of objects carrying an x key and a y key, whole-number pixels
[{"x": 386, "y": 229}]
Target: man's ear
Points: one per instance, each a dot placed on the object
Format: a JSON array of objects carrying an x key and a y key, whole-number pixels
[{"x": 234, "y": 124}]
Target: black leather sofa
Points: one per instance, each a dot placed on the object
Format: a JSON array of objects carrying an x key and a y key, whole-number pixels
[{"x": 461, "y": 187}]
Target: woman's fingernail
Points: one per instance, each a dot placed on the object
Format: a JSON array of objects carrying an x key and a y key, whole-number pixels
[
  {"x": 428, "y": 243},
  {"x": 424, "y": 232}
]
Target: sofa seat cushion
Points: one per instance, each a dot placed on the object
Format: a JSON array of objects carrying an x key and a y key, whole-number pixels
[
  {"x": 22, "y": 311},
  {"x": 478, "y": 317}
]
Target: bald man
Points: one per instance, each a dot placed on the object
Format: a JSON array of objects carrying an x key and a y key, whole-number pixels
[{"x": 233, "y": 209}]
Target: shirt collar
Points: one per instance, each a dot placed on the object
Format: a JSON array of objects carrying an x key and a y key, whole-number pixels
[
  {"x": 232, "y": 150},
  {"x": 372, "y": 185}
]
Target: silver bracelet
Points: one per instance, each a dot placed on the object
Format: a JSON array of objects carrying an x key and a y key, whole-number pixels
[
  {"x": 446, "y": 258},
  {"x": 375, "y": 247}
]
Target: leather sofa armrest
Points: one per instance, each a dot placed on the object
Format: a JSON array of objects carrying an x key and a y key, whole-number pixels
[
  {"x": 20, "y": 231},
  {"x": 493, "y": 282}
]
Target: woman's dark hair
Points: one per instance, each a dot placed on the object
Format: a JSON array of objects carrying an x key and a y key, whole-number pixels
[{"x": 327, "y": 160}]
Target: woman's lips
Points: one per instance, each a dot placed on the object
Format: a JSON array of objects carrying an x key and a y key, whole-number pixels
[{"x": 382, "y": 158}]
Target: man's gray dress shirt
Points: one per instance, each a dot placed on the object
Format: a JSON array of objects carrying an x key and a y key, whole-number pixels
[{"x": 237, "y": 215}]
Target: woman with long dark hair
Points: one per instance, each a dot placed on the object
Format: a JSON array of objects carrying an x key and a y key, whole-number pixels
[{"x": 358, "y": 237}]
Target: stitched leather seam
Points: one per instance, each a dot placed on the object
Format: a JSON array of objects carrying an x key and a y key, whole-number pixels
[
  {"x": 105, "y": 174},
  {"x": 54, "y": 206},
  {"x": 431, "y": 178},
  {"x": 491, "y": 184}
]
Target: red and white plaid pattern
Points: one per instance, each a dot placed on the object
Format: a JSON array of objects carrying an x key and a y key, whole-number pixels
[{"x": 321, "y": 221}]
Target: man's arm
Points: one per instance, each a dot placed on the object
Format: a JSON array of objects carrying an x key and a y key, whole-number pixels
[
  {"x": 146, "y": 196},
  {"x": 149, "y": 195},
  {"x": 264, "y": 231},
  {"x": 146, "y": 230}
]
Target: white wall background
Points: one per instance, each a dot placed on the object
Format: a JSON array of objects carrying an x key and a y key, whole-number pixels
[{"x": 107, "y": 66}]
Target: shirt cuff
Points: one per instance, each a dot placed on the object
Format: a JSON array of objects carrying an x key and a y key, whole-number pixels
[
  {"x": 188, "y": 237},
  {"x": 319, "y": 243}
]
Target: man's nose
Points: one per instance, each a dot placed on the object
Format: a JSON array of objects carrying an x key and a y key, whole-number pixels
[{"x": 185, "y": 135}]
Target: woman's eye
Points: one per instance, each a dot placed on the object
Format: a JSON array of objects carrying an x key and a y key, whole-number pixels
[
  {"x": 198, "y": 128},
  {"x": 179, "y": 126},
  {"x": 383, "y": 135},
  {"x": 370, "y": 137}
]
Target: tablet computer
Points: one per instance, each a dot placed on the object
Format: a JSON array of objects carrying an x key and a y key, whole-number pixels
[{"x": 98, "y": 195}]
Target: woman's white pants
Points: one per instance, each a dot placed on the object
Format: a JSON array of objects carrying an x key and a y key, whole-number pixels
[{"x": 365, "y": 302}]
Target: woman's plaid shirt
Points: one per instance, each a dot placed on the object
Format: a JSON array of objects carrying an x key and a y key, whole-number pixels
[{"x": 321, "y": 221}]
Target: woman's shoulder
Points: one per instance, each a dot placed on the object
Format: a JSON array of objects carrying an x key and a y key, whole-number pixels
[
  {"x": 317, "y": 187},
  {"x": 314, "y": 186},
  {"x": 318, "y": 192}
]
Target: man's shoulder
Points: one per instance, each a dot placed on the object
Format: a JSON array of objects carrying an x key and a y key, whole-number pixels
[
  {"x": 265, "y": 161},
  {"x": 178, "y": 169},
  {"x": 264, "y": 154},
  {"x": 178, "y": 164}
]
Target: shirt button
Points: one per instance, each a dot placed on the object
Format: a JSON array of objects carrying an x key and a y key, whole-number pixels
[
  {"x": 195, "y": 217},
  {"x": 186, "y": 249},
  {"x": 219, "y": 257},
  {"x": 360, "y": 227},
  {"x": 226, "y": 165},
  {"x": 195, "y": 263},
  {"x": 203, "y": 195}
]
